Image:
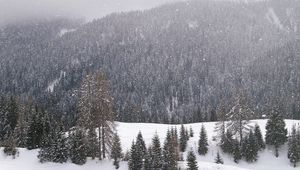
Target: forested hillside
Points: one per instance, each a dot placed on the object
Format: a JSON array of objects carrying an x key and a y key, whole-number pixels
[{"x": 170, "y": 64}]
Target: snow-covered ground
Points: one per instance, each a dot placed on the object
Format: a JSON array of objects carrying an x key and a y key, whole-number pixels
[{"x": 27, "y": 160}]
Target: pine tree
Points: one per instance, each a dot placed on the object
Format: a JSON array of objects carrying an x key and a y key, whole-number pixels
[
  {"x": 218, "y": 159},
  {"x": 156, "y": 153},
  {"x": 191, "y": 161},
  {"x": 135, "y": 161},
  {"x": 294, "y": 148},
  {"x": 250, "y": 148},
  {"x": 93, "y": 144},
  {"x": 259, "y": 138},
  {"x": 182, "y": 139},
  {"x": 191, "y": 132},
  {"x": 236, "y": 152},
  {"x": 140, "y": 145},
  {"x": 203, "y": 144},
  {"x": 10, "y": 147},
  {"x": 276, "y": 134},
  {"x": 220, "y": 125},
  {"x": 78, "y": 151},
  {"x": 169, "y": 153},
  {"x": 148, "y": 161},
  {"x": 60, "y": 146},
  {"x": 227, "y": 142},
  {"x": 239, "y": 116},
  {"x": 116, "y": 151}
]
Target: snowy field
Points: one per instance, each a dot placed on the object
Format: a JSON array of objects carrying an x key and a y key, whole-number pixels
[{"x": 27, "y": 160}]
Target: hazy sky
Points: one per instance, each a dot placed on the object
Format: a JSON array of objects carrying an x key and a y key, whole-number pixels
[{"x": 11, "y": 10}]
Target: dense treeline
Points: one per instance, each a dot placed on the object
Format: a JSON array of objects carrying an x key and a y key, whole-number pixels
[{"x": 172, "y": 64}]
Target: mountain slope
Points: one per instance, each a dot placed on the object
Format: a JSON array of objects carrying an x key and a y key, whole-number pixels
[
  {"x": 128, "y": 131},
  {"x": 169, "y": 64}
]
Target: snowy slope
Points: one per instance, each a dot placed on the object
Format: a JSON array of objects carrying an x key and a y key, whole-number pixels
[{"x": 128, "y": 131}]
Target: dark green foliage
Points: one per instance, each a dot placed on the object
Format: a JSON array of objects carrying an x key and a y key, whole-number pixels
[
  {"x": 259, "y": 138},
  {"x": 140, "y": 145},
  {"x": 148, "y": 161},
  {"x": 236, "y": 152},
  {"x": 156, "y": 153},
  {"x": 191, "y": 132},
  {"x": 170, "y": 156},
  {"x": 227, "y": 142},
  {"x": 250, "y": 148},
  {"x": 294, "y": 147},
  {"x": 78, "y": 147},
  {"x": 39, "y": 127},
  {"x": 182, "y": 139},
  {"x": 116, "y": 151},
  {"x": 218, "y": 159},
  {"x": 202, "y": 143},
  {"x": 191, "y": 161},
  {"x": 93, "y": 145},
  {"x": 276, "y": 134},
  {"x": 135, "y": 161},
  {"x": 10, "y": 147}
]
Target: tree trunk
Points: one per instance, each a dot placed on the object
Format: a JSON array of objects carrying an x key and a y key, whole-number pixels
[
  {"x": 103, "y": 142},
  {"x": 99, "y": 140},
  {"x": 276, "y": 151}
]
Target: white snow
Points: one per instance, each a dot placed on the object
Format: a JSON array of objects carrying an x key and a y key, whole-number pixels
[
  {"x": 128, "y": 132},
  {"x": 64, "y": 31},
  {"x": 52, "y": 84},
  {"x": 273, "y": 19}
]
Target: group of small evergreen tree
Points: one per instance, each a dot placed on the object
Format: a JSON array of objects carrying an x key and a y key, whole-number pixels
[
  {"x": 247, "y": 148},
  {"x": 294, "y": 146}
]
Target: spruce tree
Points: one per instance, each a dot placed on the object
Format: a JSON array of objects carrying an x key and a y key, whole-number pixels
[
  {"x": 218, "y": 159},
  {"x": 250, "y": 148},
  {"x": 169, "y": 153},
  {"x": 92, "y": 144},
  {"x": 182, "y": 139},
  {"x": 294, "y": 148},
  {"x": 140, "y": 145},
  {"x": 157, "y": 160},
  {"x": 191, "y": 132},
  {"x": 148, "y": 161},
  {"x": 227, "y": 142},
  {"x": 78, "y": 149},
  {"x": 259, "y": 138},
  {"x": 276, "y": 134},
  {"x": 236, "y": 152},
  {"x": 116, "y": 151},
  {"x": 60, "y": 146},
  {"x": 191, "y": 161},
  {"x": 203, "y": 144},
  {"x": 135, "y": 161}
]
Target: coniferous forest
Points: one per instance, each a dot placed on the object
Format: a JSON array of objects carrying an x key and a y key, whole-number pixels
[{"x": 65, "y": 83}]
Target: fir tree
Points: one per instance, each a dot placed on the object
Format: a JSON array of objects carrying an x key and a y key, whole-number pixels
[
  {"x": 135, "y": 161},
  {"x": 218, "y": 159},
  {"x": 294, "y": 148},
  {"x": 60, "y": 146},
  {"x": 140, "y": 145},
  {"x": 182, "y": 139},
  {"x": 10, "y": 147},
  {"x": 78, "y": 149},
  {"x": 156, "y": 153},
  {"x": 227, "y": 142},
  {"x": 203, "y": 144},
  {"x": 116, "y": 151},
  {"x": 276, "y": 134},
  {"x": 148, "y": 161},
  {"x": 220, "y": 125},
  {"x": 250, "y": 148},
  {"x": 93, "y": 144},
  {"x": 191, "y": 132},
  {"x": 259, "y": 138},
  {"x": 169, "y": 153},
  {"x": 236, "y": 152},
  {"x": 191, "y": 161}
]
